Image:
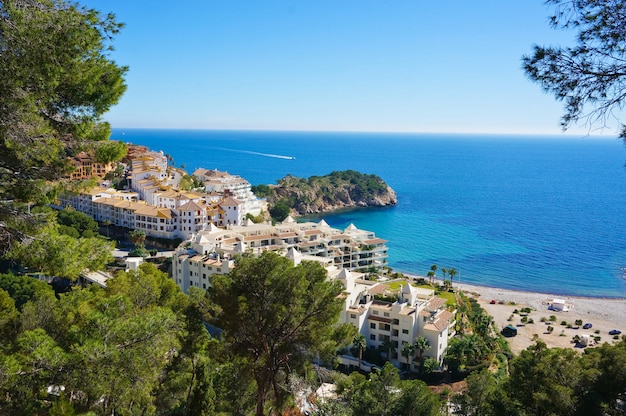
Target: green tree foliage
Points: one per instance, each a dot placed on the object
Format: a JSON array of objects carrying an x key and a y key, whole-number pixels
[
  {"x": 80, "y": 221},
  {"x": 61, "y": 255},
  {"x": 279, "y": 211},
  {"x": 190, "y": 182},
  {"x": 23, "y": 288},
  {"x": 8, "y": 317},
  {"x": 110, "y": 151},
  {"x": 550, "y": 381},
  {"x": 589, "y": 76},
  {"x": 385, "y": 394},
  {"x": 110, "y": 349},
  {"x": 479, "y": 397},
  {"x": 56, "y": 81},
  {"x": 262, "y": 191},
  {"x": 277, "y": 318}
]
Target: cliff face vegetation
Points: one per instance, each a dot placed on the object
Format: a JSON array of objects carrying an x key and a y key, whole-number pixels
[{"x": 337, "y": 190}]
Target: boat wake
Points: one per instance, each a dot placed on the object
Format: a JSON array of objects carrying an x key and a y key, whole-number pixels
[{"x": 258, "y": 153}]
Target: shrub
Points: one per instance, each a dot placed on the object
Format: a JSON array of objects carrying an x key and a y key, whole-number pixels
[
  {"x": 563, "y": 323},
  {"x": 552, "y": 318}
]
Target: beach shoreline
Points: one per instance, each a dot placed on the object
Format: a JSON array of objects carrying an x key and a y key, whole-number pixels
[{"x": 604, "y": 314}]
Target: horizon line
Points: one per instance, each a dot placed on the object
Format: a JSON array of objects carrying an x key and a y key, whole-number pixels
[{"x": 562, "y": 134}]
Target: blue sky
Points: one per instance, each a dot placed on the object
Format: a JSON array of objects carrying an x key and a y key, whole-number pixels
[{"x": 339, "y": 65}]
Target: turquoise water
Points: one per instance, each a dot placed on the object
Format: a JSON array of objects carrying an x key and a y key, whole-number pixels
[{"x": 531, "y": 213}]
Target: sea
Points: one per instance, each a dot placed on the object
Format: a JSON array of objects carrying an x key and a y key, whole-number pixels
[{"x": 535, "y": 213}]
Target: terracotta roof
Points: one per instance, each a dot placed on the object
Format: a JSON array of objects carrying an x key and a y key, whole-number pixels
[
  {"x": 446, "y": 315},
  {"x": 378, "y": 289},
  {"x": 190, "y": 206},
  {"x": 435, "y": 303},
  {"x": 313, "y": 232},
  {"x": 230, "y": 201},
  {"x": 438, "y": 325}
]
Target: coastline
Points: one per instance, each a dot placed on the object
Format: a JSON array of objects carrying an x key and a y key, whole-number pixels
[{"x": 604, "y": 314}]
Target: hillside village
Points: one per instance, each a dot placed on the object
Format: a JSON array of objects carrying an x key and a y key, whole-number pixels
[{"x": 213, "y": 228}]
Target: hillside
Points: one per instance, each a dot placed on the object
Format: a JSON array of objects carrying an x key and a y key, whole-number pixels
[{"x": 337, "y": 190}]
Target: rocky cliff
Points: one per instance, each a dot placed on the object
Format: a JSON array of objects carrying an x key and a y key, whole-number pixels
[{"x": 338, "y": 190}]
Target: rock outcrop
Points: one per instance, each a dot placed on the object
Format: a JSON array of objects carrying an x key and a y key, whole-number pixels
[{"x": 338, "y": 190}]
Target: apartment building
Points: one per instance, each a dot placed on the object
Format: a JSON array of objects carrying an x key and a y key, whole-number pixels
[
  {"x": 178, "y": 214},
  {"x": 351, "y": 248},
  {"x": 85, "y": 167},
  {"x": 226, "y": 184},
  {"x": 388, "y": 325},
  {"x": 411, "y": 313}
]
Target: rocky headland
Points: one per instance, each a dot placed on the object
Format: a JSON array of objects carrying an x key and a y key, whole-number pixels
[{"x": 335, "y": 191}]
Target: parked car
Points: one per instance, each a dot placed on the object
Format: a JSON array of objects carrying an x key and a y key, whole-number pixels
[
  {"x": 587, "y": 326},
  {"x": 615, "y": 332},
  {"x": 493, "y": 302}
]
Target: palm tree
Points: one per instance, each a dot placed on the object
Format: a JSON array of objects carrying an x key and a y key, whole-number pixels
[
  {"x": 445, "y": 272},
  {"x": 407, "y": 352},
  {"x": 452, "y": 272},
  {"x": 420, "y": 345},
  {"x": 359, "y": 343},
  {"x": 431, "y": 276},
  {"x": 434, "y": 268},
  {"x": 388, "y": 347}
]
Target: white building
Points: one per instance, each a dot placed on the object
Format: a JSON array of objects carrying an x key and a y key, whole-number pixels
[
  {"x": 356, "y": 250},
  {"x": 224, "y": 183},
  {"x": 413, "y": 311}
]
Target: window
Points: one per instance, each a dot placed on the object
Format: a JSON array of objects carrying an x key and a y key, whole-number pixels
[
  {"x": 373, "y": 337},
  {"x": 375, "y": 312},
  {"x": 405, "y": 331},
  {"x": 353, "y": 316},
  {"x": 386, "y": 314},
  {"x": 373, "y": 325}
]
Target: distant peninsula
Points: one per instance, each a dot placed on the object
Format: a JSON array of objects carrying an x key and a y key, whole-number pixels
[{"x": 319, "y": 194}]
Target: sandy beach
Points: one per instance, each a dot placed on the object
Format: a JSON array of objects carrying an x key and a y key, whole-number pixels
[{"x": 604, "y": 314}]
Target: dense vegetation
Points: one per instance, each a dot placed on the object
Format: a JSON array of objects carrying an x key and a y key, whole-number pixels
[
  {"x": 339, "y": 189},
  {"x": 56, "y": 81},
  {"x": 141, "y": 346}
]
